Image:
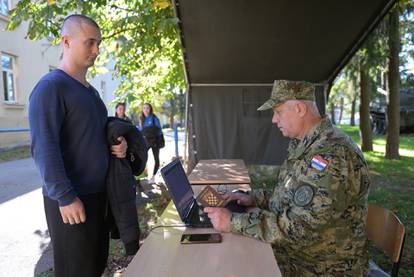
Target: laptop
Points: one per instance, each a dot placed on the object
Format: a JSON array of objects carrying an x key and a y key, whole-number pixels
[{"x": 183, "y": 196}]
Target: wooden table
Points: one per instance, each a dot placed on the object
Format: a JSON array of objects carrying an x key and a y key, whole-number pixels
[
  {"x": 219, "y": 172},
  {"x": 162, "y": 255},
  {"x": 222, "y": 189}
]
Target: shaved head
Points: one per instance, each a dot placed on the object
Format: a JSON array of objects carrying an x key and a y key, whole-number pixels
[
  {"x": 73, "y": 24},
  {"x": 81, "y": 38}
]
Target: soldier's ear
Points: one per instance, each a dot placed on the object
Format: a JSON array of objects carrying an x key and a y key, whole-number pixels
[{"x": 301, "y": 108}]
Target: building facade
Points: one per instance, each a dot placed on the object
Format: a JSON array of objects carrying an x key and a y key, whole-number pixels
[{"x": 22, "y": 63}]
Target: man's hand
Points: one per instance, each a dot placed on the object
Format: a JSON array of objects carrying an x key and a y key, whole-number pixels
[
  {"x": 73, "y": 213},
  {"x": 119, "y": 150},
  {"x": 220, "y": 217},
  {"x": 242, "y": 198}
]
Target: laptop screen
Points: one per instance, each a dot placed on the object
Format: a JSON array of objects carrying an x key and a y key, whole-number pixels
[{"x": 178, "y": 186}]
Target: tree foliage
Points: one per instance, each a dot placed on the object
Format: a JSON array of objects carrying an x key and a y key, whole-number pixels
[
  {"x": 140, "y": 36},
  {"x": 373, "y": 64}
]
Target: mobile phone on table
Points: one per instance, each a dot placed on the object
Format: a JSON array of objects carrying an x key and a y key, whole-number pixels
[{"x": 201, "y": 238}]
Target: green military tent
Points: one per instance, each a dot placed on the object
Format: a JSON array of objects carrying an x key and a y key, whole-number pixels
[{"x": 235, "y": 49}]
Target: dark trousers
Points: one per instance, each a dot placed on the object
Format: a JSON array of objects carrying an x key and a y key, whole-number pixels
[
  {"x": 156, "y": 153},
  {"x": 81, "y": 249}
]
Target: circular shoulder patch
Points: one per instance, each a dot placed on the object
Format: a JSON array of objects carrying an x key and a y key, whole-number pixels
[{"x": 303, "y": 195}]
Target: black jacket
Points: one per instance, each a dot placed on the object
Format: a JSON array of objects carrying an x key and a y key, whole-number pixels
[
  {"x": 153, "y": 136},
  {"x": 121, "y": 184}
]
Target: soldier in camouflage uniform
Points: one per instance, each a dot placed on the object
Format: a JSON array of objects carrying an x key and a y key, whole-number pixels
[{"x": 315, "y": 217}]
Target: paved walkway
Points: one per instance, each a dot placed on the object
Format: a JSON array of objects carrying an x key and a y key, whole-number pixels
[{"x": 24, "y": 239}]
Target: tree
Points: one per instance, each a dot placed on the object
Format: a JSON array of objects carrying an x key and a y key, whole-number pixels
[
  {"x": 400, "y": 25},
  {"x": 332, "y": 108},
  {"x": 336, "y": 98},
  {"x": 407, "y": 80},
  {"x": 341, "y": 109},
  {"x": 354, "y": 96},
  {"x": 174, "y": 107},
  {"x": 393, "y": 132},
  {"x": 381, "y": 55},
  {"x": 364, "y": 115},
  {"x": 351, "y": 74},
  {"x": 368, "y": 62},
  {"x": 141, "y": 36}
]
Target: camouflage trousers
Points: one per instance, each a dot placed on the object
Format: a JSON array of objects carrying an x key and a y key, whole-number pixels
[{"x": 291, "y": 267}]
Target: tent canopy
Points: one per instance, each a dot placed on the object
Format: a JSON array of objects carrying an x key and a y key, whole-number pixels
[
  {"x": 241, "y": 41},
  {"x": 235, "y": 49}
]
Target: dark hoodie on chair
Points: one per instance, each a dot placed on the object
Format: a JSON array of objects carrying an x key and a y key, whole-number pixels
[{"x": 121, "y": 184}]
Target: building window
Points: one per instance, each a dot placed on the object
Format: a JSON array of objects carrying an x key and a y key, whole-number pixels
[
  {"x": 4, "y": 7},
  {"x": 7, "y": 68}
]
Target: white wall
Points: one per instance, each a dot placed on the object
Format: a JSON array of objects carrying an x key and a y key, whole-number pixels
[{"x": 106, "y": 87}]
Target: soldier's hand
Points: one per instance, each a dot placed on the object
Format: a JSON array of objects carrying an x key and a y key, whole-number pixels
[
  {"x": 220, "y": 218},
  {"x": 242, "y": 198},
  {"x": 119, "y": 150},
  {"x": 73, "y": 213}
]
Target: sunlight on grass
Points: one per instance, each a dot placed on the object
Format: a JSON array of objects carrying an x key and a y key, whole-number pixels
[
  {"x": 402, "y": 170},
  {"x": 392, "y": 187},
  {"x": 379, "y": 146}
]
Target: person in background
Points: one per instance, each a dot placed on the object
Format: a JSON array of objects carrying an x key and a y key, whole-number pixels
[
  {"x": 150, "y": 126},
  {"x": 120, "y": 109}
]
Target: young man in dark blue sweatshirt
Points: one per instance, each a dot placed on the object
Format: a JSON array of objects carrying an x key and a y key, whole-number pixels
[{"x": 67, "y": 122}]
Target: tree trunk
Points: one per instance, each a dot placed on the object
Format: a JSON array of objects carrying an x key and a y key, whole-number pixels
[
  {"x": 353, "y": 105},
  {"x": 365, "y": 122},
  {"x": 333, "y": 113},
  {"x": 341, "y": 110},
  {"x": 182, "y": 107},
  {"x": 173, "y": 111},
  {"x": 393, "y": 130},
  {"x": 171, "y": 120},
  {"x": 353, "y": 101}
]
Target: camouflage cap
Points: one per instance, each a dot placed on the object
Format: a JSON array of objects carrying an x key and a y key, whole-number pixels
[{"x": 284, "y": 90}]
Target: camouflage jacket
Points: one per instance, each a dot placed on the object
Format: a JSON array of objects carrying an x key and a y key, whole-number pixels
[{"x": 315, "y": 216}]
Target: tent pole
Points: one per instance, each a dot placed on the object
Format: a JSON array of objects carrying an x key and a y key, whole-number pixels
[{"x": 186, "y": 123}]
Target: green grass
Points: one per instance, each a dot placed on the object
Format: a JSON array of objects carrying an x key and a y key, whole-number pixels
[
  {"x": 15, "y": 154},
  {"x": 392, "y": 187},
  {"x": 400, "y": 172}
]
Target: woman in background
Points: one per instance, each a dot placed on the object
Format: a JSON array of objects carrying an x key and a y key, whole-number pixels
[
  {"x": 151, "y": 129},
  {"x": 120, "y": 109}
]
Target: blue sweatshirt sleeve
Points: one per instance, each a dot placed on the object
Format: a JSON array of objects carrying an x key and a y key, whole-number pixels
[
  {"x": 157, "y": 123},
  {"x": 46, "y": 114}
]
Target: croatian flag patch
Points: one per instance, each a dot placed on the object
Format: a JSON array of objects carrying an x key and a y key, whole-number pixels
[{"x": 319, "y": 163}]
